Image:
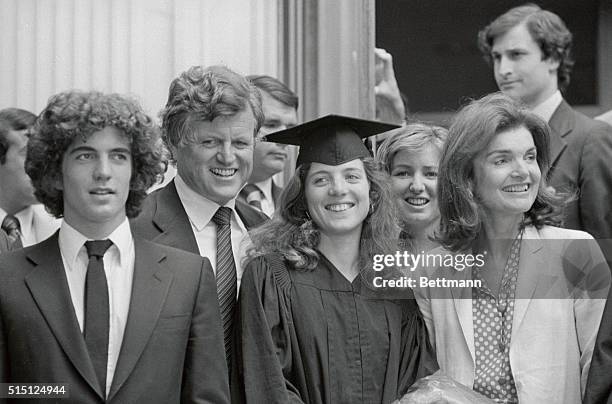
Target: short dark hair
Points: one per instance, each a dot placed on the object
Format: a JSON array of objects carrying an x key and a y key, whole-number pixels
[
  {"x": 203, "y": 94},
  {"x": 473, "y": 128},
  {"x": 546, "y": 28},
  {"x": 73, "y": 114},
  {"x": 277, "y": 89},
  {"x": 13, "y": 119}
]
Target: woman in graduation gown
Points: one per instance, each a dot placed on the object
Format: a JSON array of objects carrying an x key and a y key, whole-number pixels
[{"x": 309, "y": 330}]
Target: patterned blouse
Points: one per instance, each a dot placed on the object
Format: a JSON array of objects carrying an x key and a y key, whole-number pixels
[{"x": 492, "y": 330}]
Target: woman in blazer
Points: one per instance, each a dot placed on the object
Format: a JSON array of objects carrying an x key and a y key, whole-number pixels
[{"x": 514, "y": 308}]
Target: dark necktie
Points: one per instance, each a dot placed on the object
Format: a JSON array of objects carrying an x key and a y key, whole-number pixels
[
  {"x": 252, "y": 195},
  {"x": 12, "y": 227},
  {"x": 97, "y": 310},
  {"x": 226, "y": 275}
]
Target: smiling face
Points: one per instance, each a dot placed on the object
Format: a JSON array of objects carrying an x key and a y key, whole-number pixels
[
  {"x": 219, "y": 161},
  {"x": 95, "y": 181},
  {"x": 269, "y": 158},
  {"x": 414, "y": 177},
  {"x": 506, "y": 173},
  {"x": 338, "y": 197},
  {"x": 519, "y": 68}
]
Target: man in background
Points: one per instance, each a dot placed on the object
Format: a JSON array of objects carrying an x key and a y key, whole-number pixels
[
  {"x": 530, "y": 52},
  {"x": 279, "y": 106},
  {"x": 22, "y": 217}
]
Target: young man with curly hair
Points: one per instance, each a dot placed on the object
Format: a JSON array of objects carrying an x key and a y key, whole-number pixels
[{"x": 112, "y": 317}]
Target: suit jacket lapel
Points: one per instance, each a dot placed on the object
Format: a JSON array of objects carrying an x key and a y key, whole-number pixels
[
  {"x": 276, "y": 193},
  {"x": 462, "y": 301},
  {"x": 561, "y": 123},
  {"x": 532, "y": 267},
  {"x": 49, "y": 288},
  {"x": 149, "y": 290},
  {"x": 172, "y": 220},
  {"x": 249, "y": 216}
]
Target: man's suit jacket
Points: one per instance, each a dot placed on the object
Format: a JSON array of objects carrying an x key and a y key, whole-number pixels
[
  {"x": 5, "y": 244},
  {"x": 172, "y": 349},
  {"x": 163, "y": 219},
  {"x": 581, "y": 151},
  {"x": 560, "y": 295}
]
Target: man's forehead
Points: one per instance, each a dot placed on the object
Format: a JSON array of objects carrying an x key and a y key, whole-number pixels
[
  {"x": 275, "y": 110},
  {"x": 238, "y": 122},
  {"x": 110, "y": 135},
  {"x": 515, "y": 37}
]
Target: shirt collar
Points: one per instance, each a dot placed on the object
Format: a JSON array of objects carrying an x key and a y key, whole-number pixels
[
  {"x": 199, "y": 209},
  {"x": 547, "y": 108},
  {"x": 71, "y": 241},
  {"x": 265, "y": 187},
  {"x": 24, "y": 216}
]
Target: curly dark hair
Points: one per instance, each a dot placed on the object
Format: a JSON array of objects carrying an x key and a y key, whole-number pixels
[
  {"x": 546, "y": 28},
  {"x": 203, "y": 94},
  {"x": 295, "y": 236},
  {"x": 474, "y": 127},
  {"x": 79, "y": 113}
]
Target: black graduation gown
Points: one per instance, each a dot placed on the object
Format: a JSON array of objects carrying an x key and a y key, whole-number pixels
[{"x": 312, "y": 337}]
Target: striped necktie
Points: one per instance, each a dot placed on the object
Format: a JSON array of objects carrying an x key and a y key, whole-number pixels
[
  {"x": 12, "y": 227},
  {"x": 253, "y": 195},
  {"x": 226, "y": 275}
]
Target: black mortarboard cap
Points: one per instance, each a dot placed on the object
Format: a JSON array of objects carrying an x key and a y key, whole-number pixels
[{"x": 331, "y": 140}]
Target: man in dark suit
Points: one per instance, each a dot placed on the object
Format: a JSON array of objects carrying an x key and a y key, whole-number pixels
[
  {"x": 112, "y": 317},
  {"x": 279, "y": 105},
  {"x": 209, "y": 122},
  {"x": 5, "y": 243},
  {"x": 530, "y": 51}
]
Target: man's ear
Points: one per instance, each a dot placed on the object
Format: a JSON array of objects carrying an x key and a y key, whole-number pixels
[
  {"x": 57, "y": 183},
  {"x": 553, "y": 64}
]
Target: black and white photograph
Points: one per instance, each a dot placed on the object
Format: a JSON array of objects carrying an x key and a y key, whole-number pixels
[{"x": 306, "y": 201}]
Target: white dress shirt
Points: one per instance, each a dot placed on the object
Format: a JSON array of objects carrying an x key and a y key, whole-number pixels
[
  {"x": 200, "y": 211},
  {"x": 547, "y": 108},
  {"x": 267, "y": 201},
  {"x": 119, "y": 270},
  {"x": 36, "y": 224}
]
